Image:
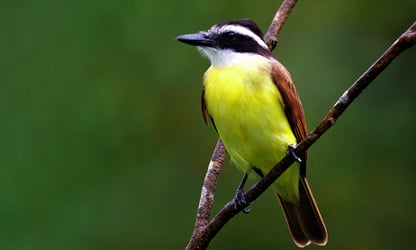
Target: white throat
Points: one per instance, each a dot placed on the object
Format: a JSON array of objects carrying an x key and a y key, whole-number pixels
[{"x": 227, "y": 57}]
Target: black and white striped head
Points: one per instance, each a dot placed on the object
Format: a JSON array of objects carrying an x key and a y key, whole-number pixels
[{"x": 226, "y": 42}]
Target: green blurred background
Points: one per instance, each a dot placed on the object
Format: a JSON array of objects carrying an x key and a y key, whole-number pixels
[{"x": 102, "y": 144}]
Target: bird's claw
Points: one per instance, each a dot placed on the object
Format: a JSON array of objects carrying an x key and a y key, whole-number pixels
[
  {"x": 240, "y": 201},
  {"x": 291, "y": 151}
]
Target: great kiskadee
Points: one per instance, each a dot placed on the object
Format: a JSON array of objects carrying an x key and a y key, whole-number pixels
[{"x": 250, "y": 98}]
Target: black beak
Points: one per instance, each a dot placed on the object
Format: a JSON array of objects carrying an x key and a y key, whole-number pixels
[{"x": 197, "y": 39}]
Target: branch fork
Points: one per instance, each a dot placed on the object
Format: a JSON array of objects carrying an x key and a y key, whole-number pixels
[{"x": 206, "y": 229}]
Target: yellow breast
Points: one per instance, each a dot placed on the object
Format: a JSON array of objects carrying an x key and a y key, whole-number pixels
[{"x": 248, "y": 113}]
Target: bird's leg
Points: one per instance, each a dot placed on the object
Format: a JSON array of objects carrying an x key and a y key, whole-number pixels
[
  {"x": 291, "y": 152},
  {"x": 239, "y": 199}
]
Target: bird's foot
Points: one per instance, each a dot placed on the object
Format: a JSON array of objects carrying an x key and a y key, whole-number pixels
[
  {"x": 291, "y": 151},
  {"x": 240, "y": 201}
]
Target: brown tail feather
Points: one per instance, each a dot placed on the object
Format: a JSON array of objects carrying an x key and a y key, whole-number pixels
[{"x": 304, "y": 220}]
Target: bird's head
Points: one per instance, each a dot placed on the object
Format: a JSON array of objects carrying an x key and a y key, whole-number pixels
[{"x": 226, "y": 42}]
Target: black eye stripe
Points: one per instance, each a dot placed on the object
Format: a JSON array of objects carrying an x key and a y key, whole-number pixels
[
  {"x": 231, "y": 36},
  {"x": 240, "y": 36}
]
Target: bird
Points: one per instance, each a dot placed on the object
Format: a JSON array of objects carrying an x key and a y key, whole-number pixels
[{"x": 253, "y": 104}]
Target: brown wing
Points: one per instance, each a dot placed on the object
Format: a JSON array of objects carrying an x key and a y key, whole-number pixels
[
  {"x": 205, "y": 113},
  {"x": 291, "y": 104},
  {"x": 204, "y": 106},
  {"x": 304, "y": 220}
]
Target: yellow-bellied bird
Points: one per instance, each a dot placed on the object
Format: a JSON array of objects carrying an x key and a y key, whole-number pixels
[{"x": 254, "y": 106}]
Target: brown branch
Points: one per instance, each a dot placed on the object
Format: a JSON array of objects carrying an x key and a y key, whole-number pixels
[
  {"x": 214, "y": 168},
  {"x": 405, "y": 41},
  {"x": 204, "y": 229},
  {"x": 208, "y": 189},
  {"x": 278, "y": 21}
]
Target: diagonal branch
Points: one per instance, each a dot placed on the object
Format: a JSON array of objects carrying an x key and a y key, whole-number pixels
[
  {"x": 204, "y": 229},
  {"x": 208, "y": 189},
  {"x": 405, "y": 41}
]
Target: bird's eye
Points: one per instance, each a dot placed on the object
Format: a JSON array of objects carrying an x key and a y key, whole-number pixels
[{"x": 230, "y": 36}]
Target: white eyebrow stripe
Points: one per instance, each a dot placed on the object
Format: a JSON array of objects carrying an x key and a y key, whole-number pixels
[{"x": 243, "y": 31}]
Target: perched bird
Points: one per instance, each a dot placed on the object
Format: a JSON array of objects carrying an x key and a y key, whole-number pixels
[{"x": 250, "y": 98}]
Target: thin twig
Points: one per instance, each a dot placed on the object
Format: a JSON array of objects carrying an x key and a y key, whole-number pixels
[
  {"x": 278, "y": 21},
  {"x": 209, "y": 187},
  {"x": 405, "y": 41}
]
